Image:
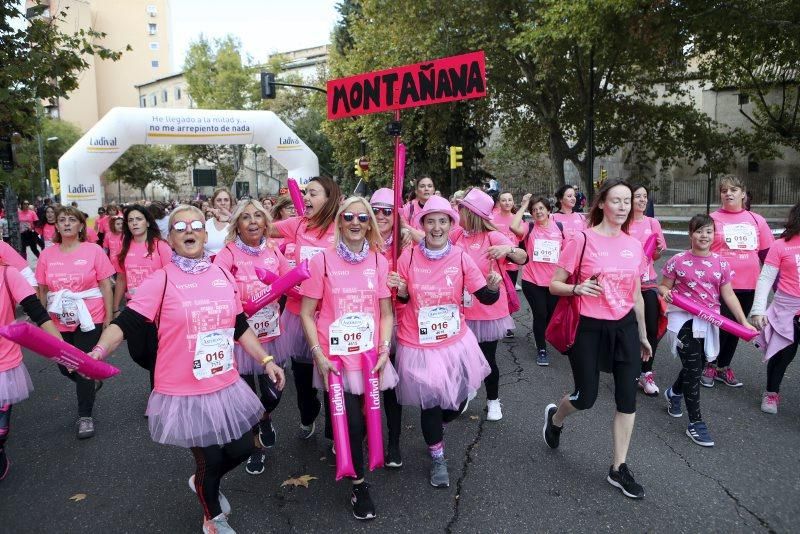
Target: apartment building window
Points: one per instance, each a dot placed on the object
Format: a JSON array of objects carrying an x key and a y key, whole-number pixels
[
  {"x": 153, "y": 100},
  {"x": 152, "y": 28},
  {"x": 154, "y": 63},
  {"x": 142, "y": 101},
  {"x": 164, "y": 95},
  {"x": 154, "y": 45},
  {"x": 151, "y": 10},
  {"x": 177, "y": 93}
]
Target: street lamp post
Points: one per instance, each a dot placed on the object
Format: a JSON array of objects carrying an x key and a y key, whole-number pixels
[{"x": 43, "y": 176}]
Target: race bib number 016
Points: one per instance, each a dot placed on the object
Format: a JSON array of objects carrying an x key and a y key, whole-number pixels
[
  {"x": 437, "y": 323},
  {"x": 353, "y": 333},
  {"x": 740, "y": 236},
  {"x": 265, "y": 322},
  {"x": 213, "y": 353},
  {"x": 546, "y": 250}
]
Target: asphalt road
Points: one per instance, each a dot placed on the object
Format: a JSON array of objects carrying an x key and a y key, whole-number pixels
[{"x": 503, "y": 477}]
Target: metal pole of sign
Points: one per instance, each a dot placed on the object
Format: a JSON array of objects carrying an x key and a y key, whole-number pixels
[
  {"x": 255, "y": 165},
  {"x": 708, "y": 192},
  {"x": 590, "y": 129}
]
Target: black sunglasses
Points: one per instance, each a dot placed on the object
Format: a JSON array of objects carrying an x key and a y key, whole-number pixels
[
  {"x": 349, "y": 216},
  {"x": 386, "y": 211}
]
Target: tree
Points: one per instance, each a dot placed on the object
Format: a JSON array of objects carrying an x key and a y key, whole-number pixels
[
  {"x": 57, "y": 137},
  {"x": 142, "y": 165}
]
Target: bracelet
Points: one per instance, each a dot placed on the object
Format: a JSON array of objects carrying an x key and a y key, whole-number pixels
[
  {"x": 575, "y": 287},
  {"x": 266, "y": 359},
  {"x": 101, "y": 350},
  {"x": 315, "y": 347}
]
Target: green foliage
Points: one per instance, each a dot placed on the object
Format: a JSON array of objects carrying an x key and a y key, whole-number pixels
[
  {"x": 27, "y": 156},
  {"x": 142, "y": 165}
]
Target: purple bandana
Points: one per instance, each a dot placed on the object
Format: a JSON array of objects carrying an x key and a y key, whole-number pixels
[
  {"x": 192, "y": 265},
  {"x": 434, "y": 255},
  {"x": 352, "y": 257},
  {"x": 247, "y": 249}
]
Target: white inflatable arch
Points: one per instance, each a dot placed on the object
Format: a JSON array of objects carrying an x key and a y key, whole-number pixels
[{"x": 81, "y": 166}]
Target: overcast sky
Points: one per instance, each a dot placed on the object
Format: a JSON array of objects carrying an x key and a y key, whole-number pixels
[{"x": 263, "y": 26}]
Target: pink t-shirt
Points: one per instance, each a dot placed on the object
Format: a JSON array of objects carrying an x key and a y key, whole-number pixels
[
  {"x": 436, "y": 286},
  {"x": 48, "y": 233},
  {"x": 407, "y": 212},
  {"x": 12, "y": 257},
  {"x": 112, "y": 242},
  {"x": 785, "y": 256},
  {"x": 307, "y": 245},
  {"x": 193, "y": 304},
  {"x": 91, "y": 235},
  {"x": 503, "y": 225},
  {"x": 476, "y": 246},
  {"x": 543, "y": 245},
  {"x": 573, "y": 223},
  {"x": 617, "y": 260},
  {"x": 139, "y": 264},
  {"x": 349, "y": 298},
  {"x": 26, "y": 219},
  {"x": 101, "y": 224},
  {"x": 698, "y": 277},
  {"x": 13, "y": 290},
  {"x": 642, "y": 229},
  {"x": 738, "y": 237},
  {"x": 247, "y": 281},
  {"x": 78, "y": 270}
]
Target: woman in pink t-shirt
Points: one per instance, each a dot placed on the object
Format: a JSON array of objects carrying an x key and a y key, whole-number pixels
[
  {"x": 642, "y": 227},
  {"x": 439, "y": 361},
  {"x": 27, "y": 220},
  {"x": 503, "y": 216},
  {"x": 491, "y": 251},
  {"x": 780, "y": 323},
  {"x": 543, "y": 239},
  {"x": 423, "y": 191},
  {"x": 248, "y": 248},
  {"x": 310, "y": 234},
  {"x": 348, "y": 285},
  {"x": 75, "y": 284},
  {"x": 572, "y": 221},
  {"x": 605, "y": 263},
  {"x": 199, "y": 401},
  {"x": 142, "y": 252},
  {"x": 112, "y": 243},
  {"x": 743, "y": 238},
  {"x": 15, "y": 382},
  {"x": 47, "y": 231},
  {"x": 283, "y": 209}
]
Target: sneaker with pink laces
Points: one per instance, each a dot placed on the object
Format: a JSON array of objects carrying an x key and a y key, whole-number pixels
[
  {"x": 708, "y": 376},
  {"x": 769, "y": 403},
  {"x": 648, "y": 385},
  {"x": 726, "y": 376}
]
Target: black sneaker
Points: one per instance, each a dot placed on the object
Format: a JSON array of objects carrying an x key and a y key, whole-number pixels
[
  {"x": 393, "y": 458},
  {"x": 267, "y": 434},
  {"x": 551, "y": 433},
  {"x": 623, "y": 479},
  {"x": 363, "y": 507},
  {"x": 4, "y": 463},
  {"x": 255, "y": 464}
]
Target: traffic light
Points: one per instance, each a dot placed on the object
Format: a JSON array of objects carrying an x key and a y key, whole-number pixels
[
  {"x": 362, "y": 167},
  {"x": 455, "y": 157},
  {"x": 267, "y": 85},
  {"x": 54, "y": 182},
  {"x": 357, "y": 168}
]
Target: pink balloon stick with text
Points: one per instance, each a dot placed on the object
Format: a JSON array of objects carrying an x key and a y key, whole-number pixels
[
  {"x": 338, "y": 413},
  {"x": 372, "y": 408},
  {"x": 732, "y": 327},
  {"x": 296, "y": 196},
  {"x": 280, "y": 286}
]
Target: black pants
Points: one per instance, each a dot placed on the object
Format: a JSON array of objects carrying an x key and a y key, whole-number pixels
[
  {"x": 691, "y": 353},
  {"x": 29, "y": 239},
  {"x": 492, "y": 382},
  {"x": 728, "y": 342},
  {"x": 542, "y": 304},
  {"x": 5, "y": 424},
  {"x": 213, "y": 462},
  {"x": 307, "y": 400},
  {"x": 611, "y": 346},
  {"x": 143, "y": 349},
  {"x": 652, "y": 311},
  {"x": 84, "y": 387},
  {"x": 433, "y": 419},
  {"x": 776, "y": 367},
  {"x": 513, "y": 275},
  {"x": 357, "y": 429},
  {"x": 394, "y": 413}
]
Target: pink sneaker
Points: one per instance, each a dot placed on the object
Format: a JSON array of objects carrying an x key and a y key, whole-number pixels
[
  {"x": 769, "y": 404},
  {"x": 726, "y": 376},
  {"x": 708, "y": 376},
  {"x": 648, "y": 385}
]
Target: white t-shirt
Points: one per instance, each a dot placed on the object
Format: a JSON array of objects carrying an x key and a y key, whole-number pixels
[{"x": 216, "y": 238}]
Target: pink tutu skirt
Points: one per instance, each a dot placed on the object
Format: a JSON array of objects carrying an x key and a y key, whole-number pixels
[
  {"x": 353, "y": 381},
  {"x": 443, "y": 376},
  {"x": 202, "y": 420},
  {"x": 247, "y": 365},
  {"x": 491, "y": 330},
  {"x": 15, "y": 385},
  {"x": 292, "y": 344}
]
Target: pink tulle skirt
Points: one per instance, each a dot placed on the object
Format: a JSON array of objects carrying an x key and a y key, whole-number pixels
[
  {"x": 353, "y": 381},
  {"x": 15, "y": 385},
  {"x": 247, "y": 365},
  {"x": 491, "y": 330},
  {"x": 443, "y": 377},
  {"x": 202, "y": 420},
  {"x": 292, "y": 341}
]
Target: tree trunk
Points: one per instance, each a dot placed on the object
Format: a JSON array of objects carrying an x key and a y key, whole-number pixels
[
  {"x": 586, "y": 180},
  {"x": 12, "y": 217},
  {"x": 557, "y": 158},
  {"x": 144, "y": 193}
]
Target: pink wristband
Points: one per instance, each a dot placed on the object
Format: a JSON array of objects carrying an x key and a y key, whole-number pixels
[{"x": 103, "y": 352}]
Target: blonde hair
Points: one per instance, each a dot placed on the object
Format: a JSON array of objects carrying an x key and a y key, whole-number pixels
[
  {"x": 731, "y": 180},
  {"x": 233, "y": 225},
  {"x": 373, "y": 235},
  {"x": 472, "y": 222},
  {"x": 78, "y": 214},
  {"x": 180, "y": 209}
]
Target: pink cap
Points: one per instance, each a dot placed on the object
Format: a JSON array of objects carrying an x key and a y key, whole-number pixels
[
  {"x": 435, "y": 204},
  {"x": 382, "y": 197},
  {"x": 478, "y": 203}
]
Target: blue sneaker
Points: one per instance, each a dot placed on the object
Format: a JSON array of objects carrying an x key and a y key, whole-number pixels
[
  {"x": 673, "y": 403},
  {"x": 698, "y": 432},
  {"x": 542, "y": 359}
]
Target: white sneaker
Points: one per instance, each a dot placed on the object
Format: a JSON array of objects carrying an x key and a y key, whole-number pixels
[
  {"x": 495, "y": 410},
  {"x": 217, "y": 525},
  {"x": 224, "y": 505},
  {"x": 648, "y": 385}
]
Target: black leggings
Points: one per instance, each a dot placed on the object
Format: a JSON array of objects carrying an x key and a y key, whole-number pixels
[
  {"x": 307, "y": 400},
  {"x": 213, "y": 462},
  {"x": 652, "y": 311},
  {"x": 5, "y": 424},
  {"x": 270, "y": 394},
  {"x": 394, "y": 413},
  {"x": 29, "y": 238},
  {"x": 492, "y": 382},
  {"x": 728, "y": 342},
  {"x": 433, "y": 420},
  {"x": 776, "y": 367},
  {"x": 616, "y": 342},
  {"x": 513, "y": 275},
  {"x": 542, "y": 304},
  {"x": 84, "y": 387},
  {"x": 691, "y": 351}
]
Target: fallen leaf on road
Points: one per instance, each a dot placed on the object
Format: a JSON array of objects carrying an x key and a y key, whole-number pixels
[
  {"x": 474, "y": 417},
  {"x": 299, "y": 481},
  {"x": 78, "y": 497}
]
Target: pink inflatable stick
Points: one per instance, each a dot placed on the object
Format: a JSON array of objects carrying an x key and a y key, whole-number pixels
[
  {"x": 280, "y": 286},
  {"x": 372, "y": 409},
  {"x": 40, "y": 342},
  {"x": 268, "y": 277},
  {"x": 732, "y": 327},
  {"x": 650, "y": 246},
  {"x": 297, "y": 197},
  {"x": 338, "y": 413}
]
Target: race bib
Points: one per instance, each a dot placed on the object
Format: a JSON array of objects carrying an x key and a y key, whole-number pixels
[
  {"x": 740, "y": 236},
  {"x": 213, "y": 353},
  {"x": 266, "y": 321},
  {"x": 546, "y": 250},
  {"x": 467, "y": 299},
  {"x": 69, "y": 313},
  {"x": 437, "y": 323},
  {"x": 352, "y": 333},
  {"x": 306, "y": 253}
]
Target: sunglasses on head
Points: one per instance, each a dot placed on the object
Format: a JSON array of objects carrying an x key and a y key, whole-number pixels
[
  {"x": 386, "y": 211},
  {"x": 349, "y": 216},
  {"x": 182, "y": 226}
]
